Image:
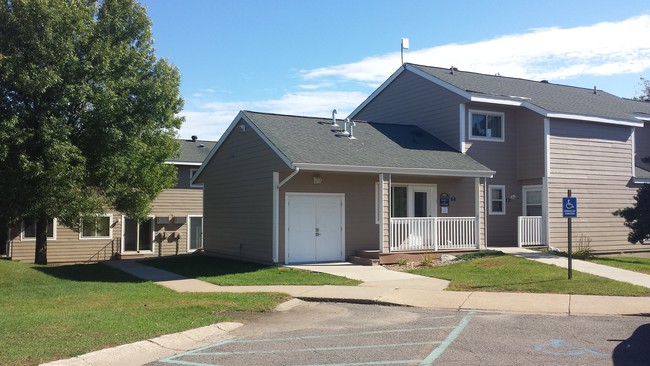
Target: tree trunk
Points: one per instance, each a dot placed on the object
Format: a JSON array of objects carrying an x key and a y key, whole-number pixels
[{"x": 40, "y": 257}]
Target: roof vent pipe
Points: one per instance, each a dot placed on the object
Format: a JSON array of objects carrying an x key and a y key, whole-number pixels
[
  {"x": 452, "y": 70},
  {"x": 194, "y": 138},
  {"x": 595, "y": 91},
  {"x": 345, "y": 132},
  {"x": 352, "y": 125},
  {"x": 334, "y": 118}
]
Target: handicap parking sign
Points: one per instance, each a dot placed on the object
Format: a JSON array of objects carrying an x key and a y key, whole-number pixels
[{"x": 569, "y": 207}]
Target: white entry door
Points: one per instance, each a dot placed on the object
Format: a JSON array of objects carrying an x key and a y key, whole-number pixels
[{"x": 314, "y": 227}]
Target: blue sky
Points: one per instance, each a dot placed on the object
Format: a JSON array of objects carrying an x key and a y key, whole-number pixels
[{"x": 309, "y": 57}]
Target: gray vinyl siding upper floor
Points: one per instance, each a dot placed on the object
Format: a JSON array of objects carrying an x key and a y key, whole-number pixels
[{"x": 412, "y": 100}]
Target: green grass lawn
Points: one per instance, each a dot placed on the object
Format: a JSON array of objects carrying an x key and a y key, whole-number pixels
[
  {"x": 54, "y": 312},
  {"x": 226, "y": 272},
  {"x": 641, "y": 265},
  {"x": 511, "y": 274}
]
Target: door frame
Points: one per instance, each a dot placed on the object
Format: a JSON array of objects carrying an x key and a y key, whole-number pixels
[
  {"x": 287, "y": 195},
  {"x": 189, "y": 235},
  {"x": 153, "y": 236}
]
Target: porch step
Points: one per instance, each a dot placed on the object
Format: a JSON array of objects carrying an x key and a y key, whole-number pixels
[
  {"x": 363, "y": 261},
  {"x": 367, "y": 253},
  {"x": 122, "y": 256}
]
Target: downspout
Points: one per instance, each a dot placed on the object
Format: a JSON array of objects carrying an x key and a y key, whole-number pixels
[
  {"x": 276, "y": 211},
  {"x": 295, "y": 171}
]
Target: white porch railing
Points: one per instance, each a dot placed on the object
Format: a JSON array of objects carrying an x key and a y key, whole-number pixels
[
  {"x": 530, "y": 231},
  {"x": 432, "y": 233}
]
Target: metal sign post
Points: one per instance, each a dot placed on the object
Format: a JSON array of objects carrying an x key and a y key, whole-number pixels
[{"x": 569, "y": 210}]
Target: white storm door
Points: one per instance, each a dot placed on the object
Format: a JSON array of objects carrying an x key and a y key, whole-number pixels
[
  {"x": 314, "y": 228},
  {"x": 301, "y": 228},
  {"x": 329, "y": 229}
]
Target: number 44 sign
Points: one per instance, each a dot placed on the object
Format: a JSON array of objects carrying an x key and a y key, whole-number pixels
[{"x": 569, "y": 207}]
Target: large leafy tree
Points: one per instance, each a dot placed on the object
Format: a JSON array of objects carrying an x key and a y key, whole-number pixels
[
  {"x": 637, "y": 217},
  {"x": 88, "y": 114}
]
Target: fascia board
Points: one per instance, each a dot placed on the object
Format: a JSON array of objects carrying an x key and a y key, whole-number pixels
[
  {"x": 240, "y": 116},
  {"x": 182, "y": 163},
  {"x": 396, "y": 170},
  {"x": 376, "y": 92}
]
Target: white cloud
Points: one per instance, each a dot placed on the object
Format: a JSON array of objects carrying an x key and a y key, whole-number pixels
[
  {"x": 603, "y": 49},
  {"x": 214, "y": 118},
  {"x": 608, "y": 48}
]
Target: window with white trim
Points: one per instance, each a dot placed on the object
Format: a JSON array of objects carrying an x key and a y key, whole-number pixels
[
  {"x": 96, "y": 227},
  {"x": 497, "y": 200},
  {"x": 488, "y": 126},
  {"x": 29, "y": 229},
  {"x": 192, "y": 174}
]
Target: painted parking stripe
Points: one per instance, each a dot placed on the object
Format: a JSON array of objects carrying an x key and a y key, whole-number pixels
[
  {"x": 403, "y": 330},
  {"x": 313, "y": 349},
  {"x": 438, "y": 351},
  {"x": 428, "y": 361}
]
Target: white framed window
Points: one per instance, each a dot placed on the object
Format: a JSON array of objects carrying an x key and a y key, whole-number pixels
[
  {"x": 486, "y": 126},
  {"x": 497, "y": 200},
  {"x": 97, "y": 228},
  {"x": 192, "y": 174},
  {"x": 532, "y": 200},
  {"x": 28, "y": 231}
]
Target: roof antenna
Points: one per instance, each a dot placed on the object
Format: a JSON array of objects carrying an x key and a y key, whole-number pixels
[
  {"x": 405, "y": 46},
  {"x": 334, "y": 112}
]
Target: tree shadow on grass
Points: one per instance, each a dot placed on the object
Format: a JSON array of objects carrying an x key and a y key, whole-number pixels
[
  {"x": 95, "y": 272},
  {"x": 197, "y": 265}
]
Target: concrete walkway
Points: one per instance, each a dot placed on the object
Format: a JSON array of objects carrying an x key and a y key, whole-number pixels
[
  {"x": 613, "y": 273},
  {"x": 383, "y": 286},
  {"x": 380, "y": 286}
]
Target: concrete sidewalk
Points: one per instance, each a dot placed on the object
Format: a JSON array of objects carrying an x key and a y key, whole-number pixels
[
  {"x": 384, "y": 286},
  {"x": 613, "y": 273},
  {"x": 379, "y": 286}
]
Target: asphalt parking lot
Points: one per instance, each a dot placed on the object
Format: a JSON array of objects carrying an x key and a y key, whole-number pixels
[{"x": 352, "y": 334}]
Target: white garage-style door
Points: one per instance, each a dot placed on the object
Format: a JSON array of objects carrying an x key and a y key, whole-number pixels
[{"x": 314, "y": 227}]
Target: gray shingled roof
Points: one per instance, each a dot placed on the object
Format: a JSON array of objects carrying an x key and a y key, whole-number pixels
[
  {"x": 554, "y": 98},
  {"x": 193, "y": 151},
  {"x": 312, "y": 140}
]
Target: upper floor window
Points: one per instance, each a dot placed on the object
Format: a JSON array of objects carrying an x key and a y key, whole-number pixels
[
  {"x": 96, "y": 227},
  {"x": 486, "y": 126},
  {"x": 192, "y": 174},
  {"x": 29, "y": 229}
]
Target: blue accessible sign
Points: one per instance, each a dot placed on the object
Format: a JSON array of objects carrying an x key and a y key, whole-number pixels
[{"x": 569, "y": 207}]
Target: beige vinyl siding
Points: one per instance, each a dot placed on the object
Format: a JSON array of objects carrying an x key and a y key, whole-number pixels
[
  {"x": 412, "y": 100},
  {"x": 238, "y": 198},
  {"x": 361, "y": 229},
  {"x": 593, "y": 160},
  {"x": 502, "y": 158},
  {"x": 68, "y": 247},
  {"x": 169, "y": 239}
]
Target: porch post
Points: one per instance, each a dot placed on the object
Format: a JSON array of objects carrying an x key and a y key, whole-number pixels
[
  {"x": 477, "y": 211},
  {"x": 384, "y": 213}
]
